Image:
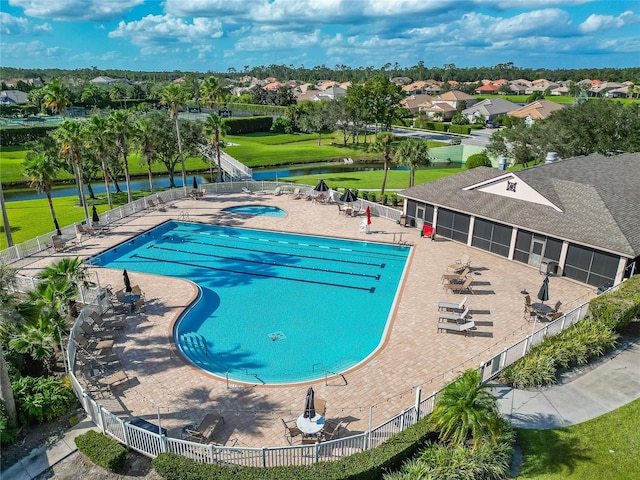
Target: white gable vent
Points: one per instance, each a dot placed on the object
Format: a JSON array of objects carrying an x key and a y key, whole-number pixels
[{"x": 551, "y": 157}]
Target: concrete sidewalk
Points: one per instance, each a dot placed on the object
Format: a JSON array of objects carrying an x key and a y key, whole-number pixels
[
  {"x": 596, "y": 389},
  {"x": 43, "y": 458}
]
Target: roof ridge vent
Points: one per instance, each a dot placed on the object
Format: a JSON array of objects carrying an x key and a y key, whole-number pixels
[{"x": 551, "y": 157}]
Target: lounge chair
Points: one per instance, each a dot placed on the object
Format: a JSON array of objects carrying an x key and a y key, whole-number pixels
[
  {"x": 291, "y": 430},
  {"x": 161, "y": 204},
  {"x": 277, "y": 191},
  {"x": 452, "y": 306},
  {"x": 460, "y": 264},
  {"x": 247, "y": 191},
  {"x": 296, "y": 193},
  {"x": 454, "y": 317},
  {"x": 456, "y": 327},
  {"x": 459, "y": 287},
  {"x": 331, "y": 430},
  {"x": 203, "y": 433},
  {"x": 456, "y": 277},
  {"x": 104, "y": 324},
  {"x": 150, "y": 203},
  {"x": 84, "y": 230}
]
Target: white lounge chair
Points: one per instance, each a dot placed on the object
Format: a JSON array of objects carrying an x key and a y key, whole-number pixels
[
  {"x": 296, "y": 193},
  {"x": 454, "y": 317},
  {"x": 277, "y": 191},
  {"x": 452, "y": 306},
  {"x": 456, "y": 327},
  {"x": 247, "y": 191}
]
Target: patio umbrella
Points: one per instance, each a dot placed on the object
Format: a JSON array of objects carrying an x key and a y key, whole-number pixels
[
  {"x": 195, "y": 183},
  {"x": 309, "y": 404},
  {"x": 543, "y": 293},
  {"x": 348, "y": 196},
  {"x": 368, "y": 216},
  {"x": 94, "y": 217},
  {"x": 321, "y": 187},
  {"x": 127, "y": 282}
]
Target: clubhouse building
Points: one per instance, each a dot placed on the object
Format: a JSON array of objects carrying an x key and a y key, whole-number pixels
[{"x": 578, "y": 217}]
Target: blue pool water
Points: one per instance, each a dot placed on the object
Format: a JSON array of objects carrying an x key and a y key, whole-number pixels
[
  {"x": 274, "y": 308},
  {"x": 267, "y": 210}
]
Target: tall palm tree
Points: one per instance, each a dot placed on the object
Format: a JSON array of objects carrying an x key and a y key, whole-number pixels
[
  {"x": 174, "y": 96},
  {"x": 70, "y": 138},
  {"x": 412, "y": 153},
  {"x": 383, "y": 145},
  {"x": 145, "y": 139},
  {"x": 42, "y": 171},
  {"x": 121, "y": 127},
  {"x": 214, "y": 128},
  {"x": 466, "y": 411},
  {"x": 99, "y": 139},
  {"x": 67, "y": 275},
  {"x": 56, "y": 97},
  {"x": 8, "y": 312}
]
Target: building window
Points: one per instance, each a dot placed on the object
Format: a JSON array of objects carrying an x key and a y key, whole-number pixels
[
  {"x": 591, "y": 266},
  {"x": 491, "y": 236},
  {"x": 453, "y": 225}
]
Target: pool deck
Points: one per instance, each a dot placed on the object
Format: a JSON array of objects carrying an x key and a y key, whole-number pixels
[{"x": 414, "y": 354}]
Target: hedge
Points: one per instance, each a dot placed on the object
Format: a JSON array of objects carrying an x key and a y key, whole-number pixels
[
  {"x": 102, "y": 450},
  {"x": 238, "y": 126},
  {"x": 19, "y": 135},
  {"x": 367, "y": 465}
]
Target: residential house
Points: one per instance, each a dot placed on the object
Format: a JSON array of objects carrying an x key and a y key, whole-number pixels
[
  {"x": 488, "y": 89},
  {"x": 413, "y": 102},
  {"x": 540, "y": 109},
  {"x": 13, "y": 97},
  {"x": 577, "y": 217},
  {"x": 444, "y": 107},
  {"x": 489, "y": 109}
]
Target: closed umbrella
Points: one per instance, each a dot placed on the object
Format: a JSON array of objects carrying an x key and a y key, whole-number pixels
[
  {"x": 348, "y": 196},
  {"x": 309, "y": 405},
  {"x": 321, "y": 187},
  {"x": 94, "y": 217},
  {"x": 195, "y": 183},
  {"x": 127, "y": 282},
  {"x": 368, "y": 216},
  {"x": 543, "y": 293}
]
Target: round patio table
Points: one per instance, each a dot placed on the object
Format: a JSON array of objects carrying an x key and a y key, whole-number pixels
[{"x": 310, "y": 426}]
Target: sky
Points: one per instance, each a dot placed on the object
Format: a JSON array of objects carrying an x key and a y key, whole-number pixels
[{"x": 218, "y": 35}]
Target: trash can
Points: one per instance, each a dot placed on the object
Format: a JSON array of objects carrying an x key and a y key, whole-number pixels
[
  {"x": 548, "y": 267},
  {"x": 403, "y": 221}
]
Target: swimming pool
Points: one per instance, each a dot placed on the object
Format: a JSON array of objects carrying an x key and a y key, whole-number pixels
[
  {"x": 274, "y": 308},
  {"x": 268, "y": 210}
]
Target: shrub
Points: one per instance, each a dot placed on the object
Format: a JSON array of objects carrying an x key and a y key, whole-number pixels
[
  {"x": 365, "y": 195},
  {"x": 384, "y": 199},
  {"x": 620, "y": 307},
  {"x": 370, "y": 464},
  {"x": 238, "y": 126},
  {"x": 394, "y": 200},
  {"x": 372, "y": 197},
  {"x": 8, "y": 430},
  {"x": 478, "y": 160},
  {"x": 102, "y": 450},
  {"x": 283, "y": 125},
  {"x": 41, "y": 399}
]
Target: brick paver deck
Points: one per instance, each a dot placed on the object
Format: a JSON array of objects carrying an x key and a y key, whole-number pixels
[{"x": 414, "y": 354}]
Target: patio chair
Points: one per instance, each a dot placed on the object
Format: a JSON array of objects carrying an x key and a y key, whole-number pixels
[
  {"x": 277, "y": 191},
  {"x": 557, "y": 306},
  {"x": 296, "y": 193},
  {"x": 84, "y": 230},
  {"x": 247, "y": 191},
  {"x": 136, "y": 290},
  {"x": 452, "y": 306},
  {"x": 90, "y": 332},
  {"x": 103, "y": 324},
  {"x": 138, "y": 305},
  {"x": 552, "y": 317},
  {"x": 203, "y": 433},
  {"x": 151, "y": 203},
  {"x": 59, "y": 245},
  {"x": 459, "y": 287},
  {"x": 529, "y": 315},
  {"x": 462, "y": 263},
  {"x": 291, "y": 430},
  {"x": 527, "y": 300},
  {"x": 161, "y": 204},
  {"x": 320, "y": 406},
  {"x": 331, "y": 430},
  {"x": 454, "y": 317},
  {"x": 456, "y": 277}
]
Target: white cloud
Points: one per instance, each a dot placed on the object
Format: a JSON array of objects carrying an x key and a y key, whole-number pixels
[
  {"x": 32, "y": 50},
  {"x": 76, "y": 10},
  {"x": 10, "y": 25},
  {"x": 607, "y": 22},
  {"x": 159, "y": 31},
  {"x": 271, "y": 40}
]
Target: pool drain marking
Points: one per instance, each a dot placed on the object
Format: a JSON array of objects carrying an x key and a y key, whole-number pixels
[{"x": 276, "y": 336}]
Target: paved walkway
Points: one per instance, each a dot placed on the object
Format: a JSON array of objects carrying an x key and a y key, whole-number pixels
[{"x": 606, "y": 385}]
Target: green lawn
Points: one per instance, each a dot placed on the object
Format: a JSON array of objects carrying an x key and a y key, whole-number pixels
[{"x": 605, "y": 448}]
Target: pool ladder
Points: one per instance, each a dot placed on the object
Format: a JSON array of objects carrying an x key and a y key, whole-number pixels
[
  {"x": 183, "y": 217},
  {"x": 246, "y": 372},
  {"x": 328, "y": 372}
]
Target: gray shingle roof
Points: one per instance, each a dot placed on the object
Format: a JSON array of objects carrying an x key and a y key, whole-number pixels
[{"x": 599, "y": 197}]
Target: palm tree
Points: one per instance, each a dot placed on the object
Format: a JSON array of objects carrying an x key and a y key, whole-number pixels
[
  {"x": 8, "y": 312},
  {"x": 175, "y": 97},
  {"x": 214, "y": 127},
  {"x": 56, "y": 97},
  {"x": 383, "y": 145},
  {"x": 466, "y": 411},
  {"x": 99, "y": 139},
  {"x": 42, "y": 171},
  {"x": 145, "y": 139},
  {"x": 5, "y": 219},
  {"x": 70, "y": 138},
  {"x": 211, "y": 92},
  {"x": 413, "y": 153},
  {"x": 66, "y": 276},
  {"x": 120, "y": 126}
]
